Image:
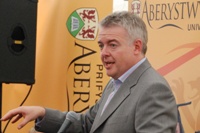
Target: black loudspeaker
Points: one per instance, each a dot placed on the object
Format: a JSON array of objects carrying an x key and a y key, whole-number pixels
[{"x": 18, "y": 19}]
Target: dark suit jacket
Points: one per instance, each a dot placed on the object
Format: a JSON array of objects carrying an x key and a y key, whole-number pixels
[{"x": 143, "y": 104}]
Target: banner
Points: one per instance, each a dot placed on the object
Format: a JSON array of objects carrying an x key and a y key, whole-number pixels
[
  {"x": 69, "y": 74},
  {"x": 86, "y": 77},
  {"x": 174, "y": 48}
]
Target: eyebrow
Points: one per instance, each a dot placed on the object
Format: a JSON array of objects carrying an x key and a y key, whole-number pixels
[
  {"x": 112, "y": 40},
  {"x": 99, "y": 42}
]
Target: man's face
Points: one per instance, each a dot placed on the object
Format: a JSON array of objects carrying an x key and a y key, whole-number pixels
[{"x": 117, "y": 52}]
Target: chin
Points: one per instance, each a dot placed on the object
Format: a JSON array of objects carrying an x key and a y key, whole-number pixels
[
  {"x": 111, "y": 73},
  {"x": 108, "y": 74}
]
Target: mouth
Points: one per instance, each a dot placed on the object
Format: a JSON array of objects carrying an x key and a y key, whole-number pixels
[{"x": 108, "y": 64}]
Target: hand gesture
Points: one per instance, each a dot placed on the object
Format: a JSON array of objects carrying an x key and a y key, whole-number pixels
[{"x": 29, "y": 113}]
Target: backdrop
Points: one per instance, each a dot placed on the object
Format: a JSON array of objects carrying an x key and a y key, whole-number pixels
[
  {"x": 69, "y": 74},
  {"x": 174, "y": 48}
]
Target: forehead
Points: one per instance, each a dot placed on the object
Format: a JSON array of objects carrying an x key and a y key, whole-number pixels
[
  {"x": 111, "y": 29},
  {"x": 112, "y": 32}
]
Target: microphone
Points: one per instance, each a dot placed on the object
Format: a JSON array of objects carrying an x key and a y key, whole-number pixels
[{"x": 70, "y": 117}]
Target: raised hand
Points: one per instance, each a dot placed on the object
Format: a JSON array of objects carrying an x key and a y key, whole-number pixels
[{"x": 29, "y": 113}]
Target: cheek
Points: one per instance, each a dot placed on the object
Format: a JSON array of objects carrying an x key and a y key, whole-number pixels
[
  {"x": 124, "y": 60},
  {"x": 101, "y": 56},
  {"x": 121, "y": 57}
]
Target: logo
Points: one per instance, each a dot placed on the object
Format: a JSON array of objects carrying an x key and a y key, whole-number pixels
[
  {"x": 135, "y": 7},
  {"x": 83, "y": 24},
  {"x": 179, "y": 15}
]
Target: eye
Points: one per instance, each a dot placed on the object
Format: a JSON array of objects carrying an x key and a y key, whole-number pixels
[
  {"x": 101, "y": 46},
  {"x": 113, "y": 45}
]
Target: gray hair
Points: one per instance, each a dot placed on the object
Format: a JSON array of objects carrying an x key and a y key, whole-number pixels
[{"x": 134, "y": 25}]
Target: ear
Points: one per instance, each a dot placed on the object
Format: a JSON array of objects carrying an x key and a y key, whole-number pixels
[{"x": 137, "y": 46}]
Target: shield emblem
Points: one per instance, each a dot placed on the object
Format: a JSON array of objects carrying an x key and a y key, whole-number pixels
[
  {"x": 135, "y": 7},
  {"x": 83, "y": 24}
]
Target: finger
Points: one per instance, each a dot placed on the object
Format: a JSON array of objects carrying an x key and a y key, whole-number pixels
[
  {"x": 17, "y": 118},
  {"x": 7, "y": 117},
  {"x": 10, "y": 114},
  {"x": 22, "y": 124}
]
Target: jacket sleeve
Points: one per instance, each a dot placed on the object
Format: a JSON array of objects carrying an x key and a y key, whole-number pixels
[{"x": 53, "y": 120}]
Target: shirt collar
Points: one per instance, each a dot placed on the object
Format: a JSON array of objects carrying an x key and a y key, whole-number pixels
[{"x": 127, "y": 73}]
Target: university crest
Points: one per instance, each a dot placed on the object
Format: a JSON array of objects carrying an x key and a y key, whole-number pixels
[{"x": 83, "y": 24}]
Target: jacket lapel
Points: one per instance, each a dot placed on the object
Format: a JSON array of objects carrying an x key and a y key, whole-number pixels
[
  {"x": 118, "y": 98},
  {"x": 123, "y": 92}
]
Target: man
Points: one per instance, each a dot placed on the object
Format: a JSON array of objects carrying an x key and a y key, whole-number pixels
[{"x": 136, "y": 100}]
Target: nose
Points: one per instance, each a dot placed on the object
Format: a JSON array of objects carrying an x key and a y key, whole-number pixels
[{"x": 105, "y": 51}]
